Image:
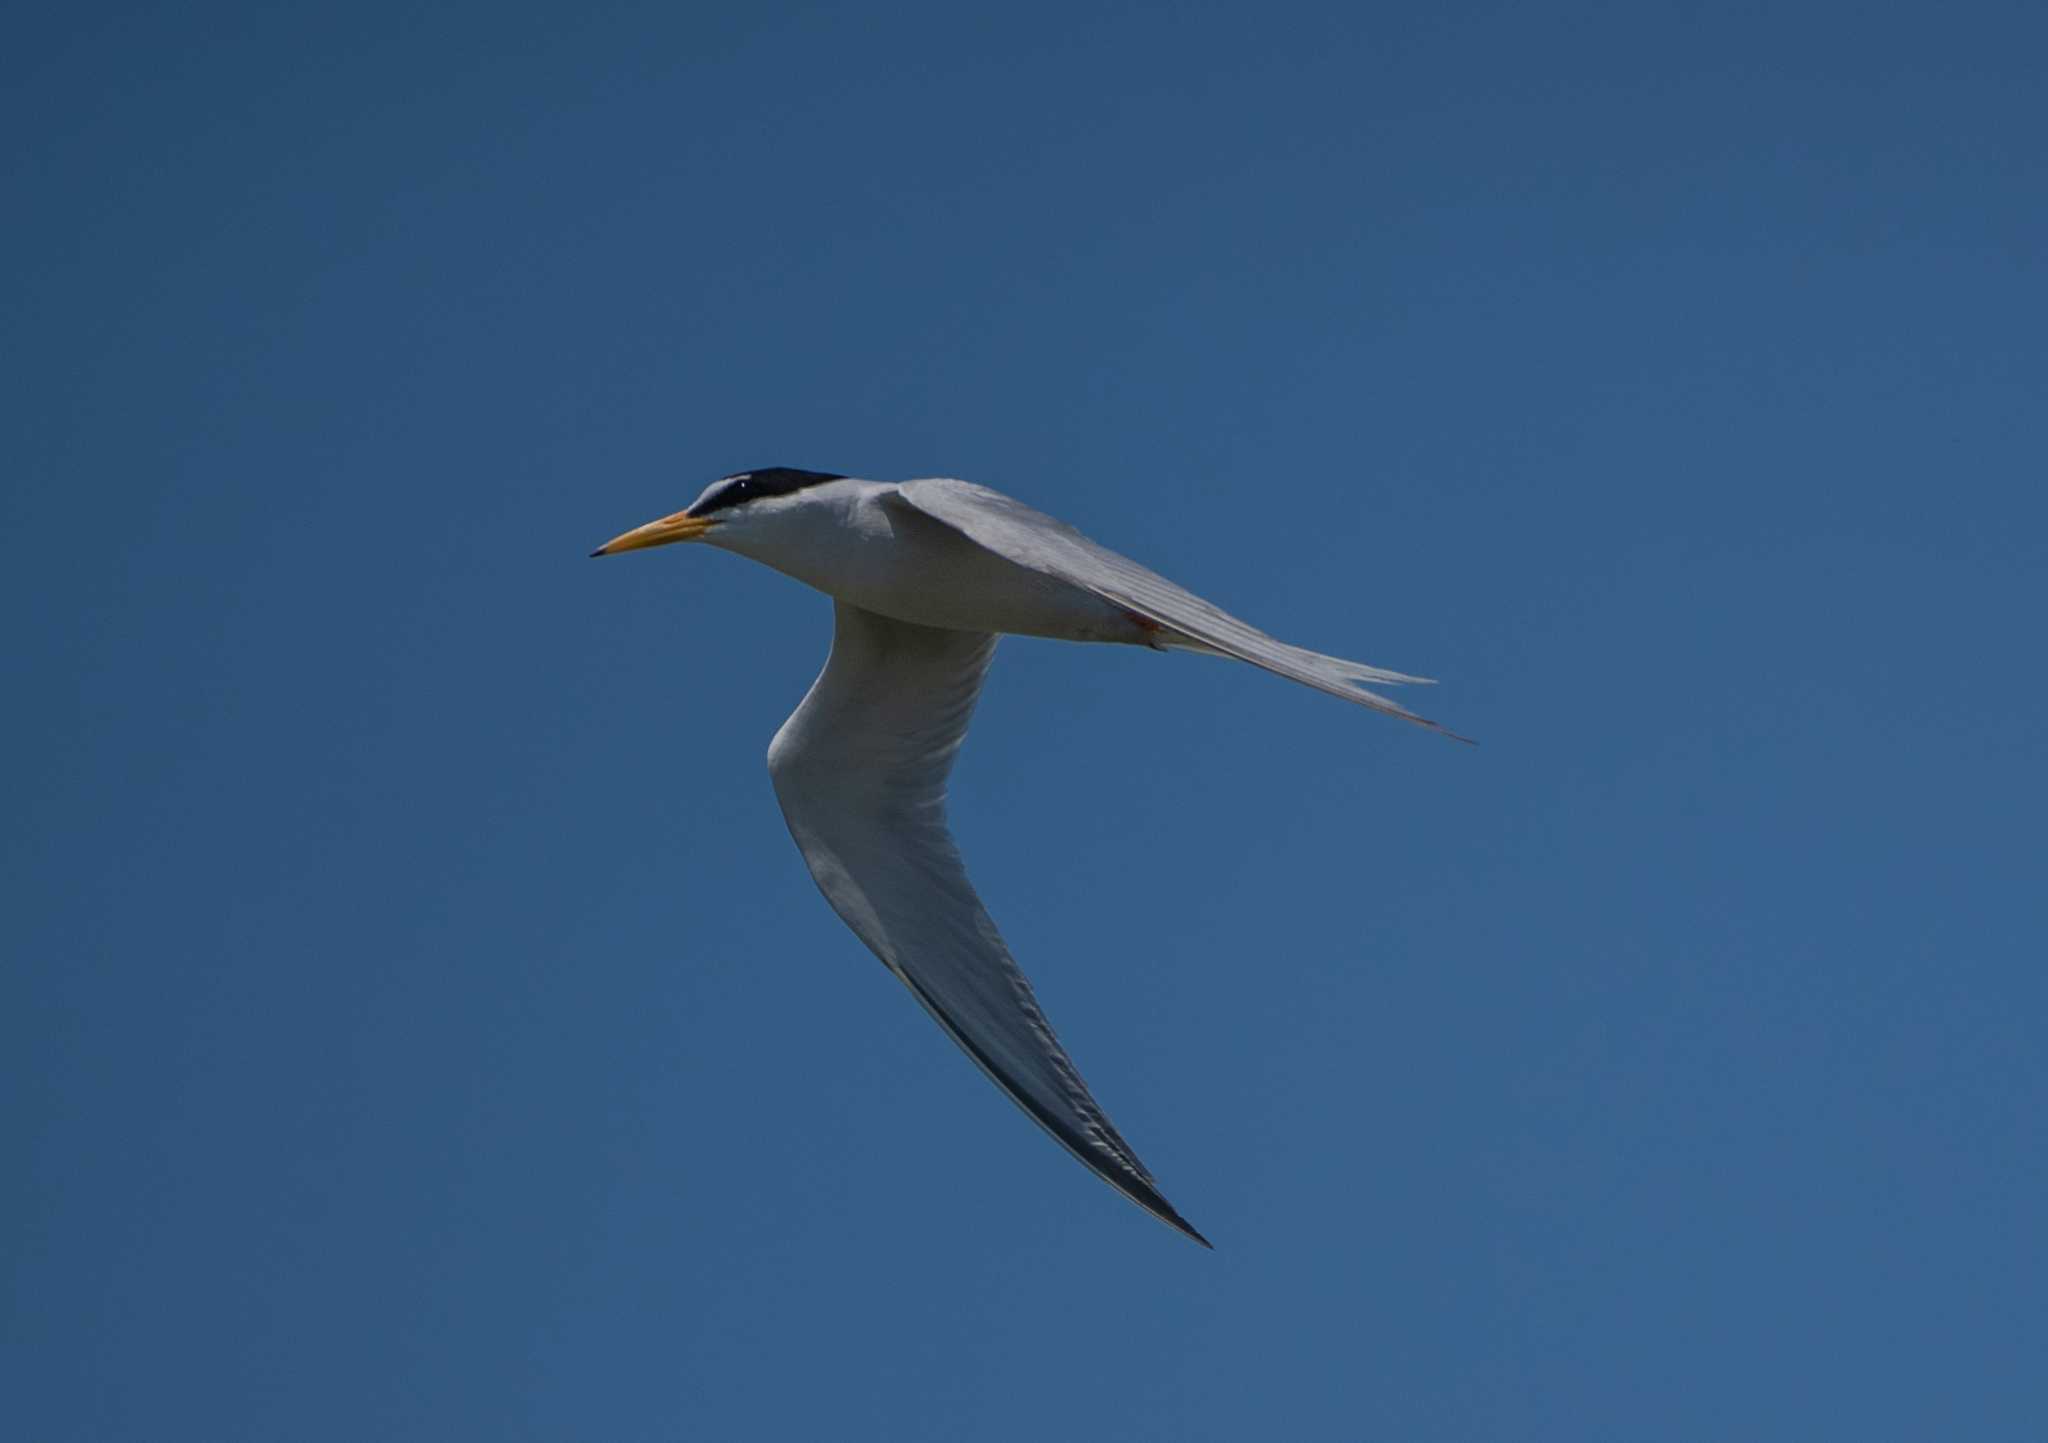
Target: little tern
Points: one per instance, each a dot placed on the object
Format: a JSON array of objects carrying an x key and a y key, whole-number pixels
[{"x": 924, "y": 576}]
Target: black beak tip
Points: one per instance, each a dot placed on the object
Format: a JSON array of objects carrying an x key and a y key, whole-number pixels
[{"x": 598, "y": 552}]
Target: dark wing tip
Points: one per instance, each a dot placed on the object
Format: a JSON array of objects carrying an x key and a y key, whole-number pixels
[
  {"x": 1168, "y": 1215},
  {"x": 1145, "y": 1195},
  {"x": 1127, "y": 1176}
]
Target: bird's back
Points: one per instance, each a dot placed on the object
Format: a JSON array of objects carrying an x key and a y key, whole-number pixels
[{"x": 886, "y": 556}]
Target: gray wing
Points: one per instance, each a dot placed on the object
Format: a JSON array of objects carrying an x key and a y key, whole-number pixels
[
  {"x": 1043, "y": 544},
  {"x": 860, "y": 769}
]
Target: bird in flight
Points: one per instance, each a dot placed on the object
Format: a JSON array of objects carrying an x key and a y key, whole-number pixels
[{"x": 924, "y": 576}]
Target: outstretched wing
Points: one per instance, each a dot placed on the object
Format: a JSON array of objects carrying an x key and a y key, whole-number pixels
[
  {"x": 860, "y": 769},
  {"x": 1040, "y": 543}
]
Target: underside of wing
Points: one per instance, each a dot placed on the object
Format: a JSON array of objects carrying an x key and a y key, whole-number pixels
[
  {"x": 860, "y": 770},
  {"x": 1049, "y": 546}
]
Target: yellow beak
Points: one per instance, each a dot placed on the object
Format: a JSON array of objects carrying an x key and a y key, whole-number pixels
[{"x": 680, "y": 527}]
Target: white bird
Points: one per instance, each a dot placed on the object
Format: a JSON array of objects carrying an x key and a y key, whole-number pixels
[{"x": 924, "y": 576}]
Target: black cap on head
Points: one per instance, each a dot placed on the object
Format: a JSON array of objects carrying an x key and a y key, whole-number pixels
[{"x": 744, "y": 486}]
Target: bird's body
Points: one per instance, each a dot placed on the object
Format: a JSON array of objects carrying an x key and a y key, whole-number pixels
[
  {"x": 925, "y": 576},
  {"x": 856, "y": 542}
]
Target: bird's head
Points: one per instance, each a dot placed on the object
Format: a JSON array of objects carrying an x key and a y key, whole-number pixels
[{"x": 731, "y": 503}]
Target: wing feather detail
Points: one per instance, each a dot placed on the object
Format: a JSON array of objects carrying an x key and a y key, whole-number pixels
[
  {"x": 860, "y": 770},
  {"x": 1049, "y": 546}
]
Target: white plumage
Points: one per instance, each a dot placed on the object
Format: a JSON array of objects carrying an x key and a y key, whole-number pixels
[{"x": 925, "y": 575}]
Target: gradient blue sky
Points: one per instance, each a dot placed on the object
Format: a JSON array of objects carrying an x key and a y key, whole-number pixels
[{"x": 418, "y": 1025}]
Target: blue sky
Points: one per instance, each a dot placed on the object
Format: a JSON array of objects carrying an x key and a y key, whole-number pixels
[{"x": 418, "y": 1024}]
